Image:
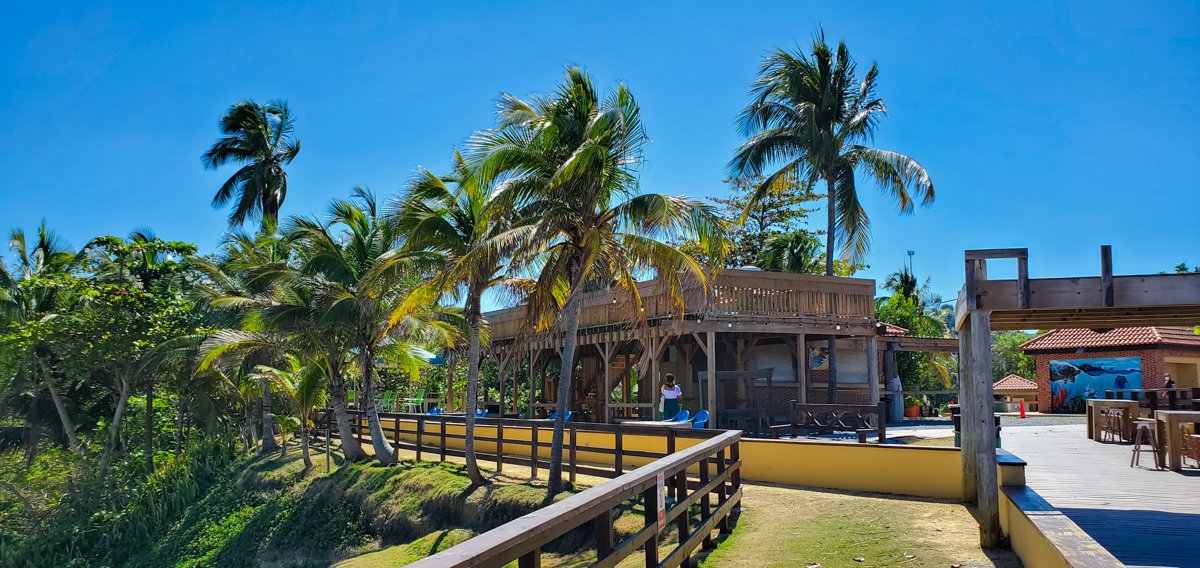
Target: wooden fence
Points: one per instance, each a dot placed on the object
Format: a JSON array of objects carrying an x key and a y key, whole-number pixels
[
  {"x": 706, "y": 474},
  {"x": 717, "y": 491},
  {"x": 428, "y": 436}
]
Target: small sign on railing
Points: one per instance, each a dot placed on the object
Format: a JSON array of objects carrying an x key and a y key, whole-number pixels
[{"x": 661, "y": 502}]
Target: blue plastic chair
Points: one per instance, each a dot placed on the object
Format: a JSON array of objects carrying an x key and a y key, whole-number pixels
[
  {"x": 554, "y": 413},
  {"x": 701, "y": 419},
  {"x": 481, "y": 413},
  {"x": 681, "y": 417},
  {"x": 435, "y": 411}
]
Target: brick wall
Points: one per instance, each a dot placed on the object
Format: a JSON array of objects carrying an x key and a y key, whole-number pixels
[{"x": 1153, "y": 368}]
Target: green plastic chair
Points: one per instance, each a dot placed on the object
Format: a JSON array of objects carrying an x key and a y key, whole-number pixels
[
  {"x": 349, "y": 398},
  {"x": 388, "y": 401}
]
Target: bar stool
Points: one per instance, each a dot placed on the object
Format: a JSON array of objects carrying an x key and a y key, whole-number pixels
[
  {"x": 1144, "y": 434},
  {"x": 1112, "y": 422}
]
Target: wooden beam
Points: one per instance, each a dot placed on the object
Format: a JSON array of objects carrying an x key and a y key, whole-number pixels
[
  {"x": 1023, "y": 283},
  {"x": 919, "y": 344},
  {"x": 1162, "y": 290},
  {"x": 984, "y": 254}
]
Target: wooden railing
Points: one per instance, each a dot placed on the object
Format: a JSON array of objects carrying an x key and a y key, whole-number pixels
[
  {"x": 735, "y": 293},
  {"x": 428, "y": 436},
  {"x": 716, "y": 466},
  {"x": 1154, "y": 399},
  {"x": 839, "y": 418}
]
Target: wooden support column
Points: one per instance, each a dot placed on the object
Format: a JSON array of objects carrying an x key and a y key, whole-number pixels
[
  {"x": 532, "y": 362},
  {"x": 711, "y": 352},
  {"x": 982, "y": 419},
  {"x": 873, "y": 368},
  {"x": 606, "y": 351},
  {"x": 801, "y": 369}
]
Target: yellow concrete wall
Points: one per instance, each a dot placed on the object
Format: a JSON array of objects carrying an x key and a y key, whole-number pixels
[
  {"x": 902, "y": 470},
  {"x": 1030, "y": 544}
]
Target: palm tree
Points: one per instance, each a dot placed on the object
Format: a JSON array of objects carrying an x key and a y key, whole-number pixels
[
  {"x": 797, "y": 252},
  {"x": 28, "y": 297},
  {"x": 810, "y": 117},
  {"x": 573, "y": 158},
  {"x": 305, "y": 386},
  {"x": 260, "y": 138},
  {"x": 458, "y": 217},
  {"x": 364, "y": 280}
]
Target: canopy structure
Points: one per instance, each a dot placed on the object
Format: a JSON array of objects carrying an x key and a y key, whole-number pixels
[{"x": 1091, "y": 302}]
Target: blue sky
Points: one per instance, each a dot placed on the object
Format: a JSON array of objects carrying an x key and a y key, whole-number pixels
[{"x": 1054, "y": 126}]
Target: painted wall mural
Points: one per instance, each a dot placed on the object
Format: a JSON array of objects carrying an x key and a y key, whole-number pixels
[{"x": 1073, "y": 381}]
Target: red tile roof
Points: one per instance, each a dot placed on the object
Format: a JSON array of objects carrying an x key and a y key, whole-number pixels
[
  {"x": 1067, "y": 339},
  {"x": 1014, "y": 383},
  {"x": 891, "y": 329}
]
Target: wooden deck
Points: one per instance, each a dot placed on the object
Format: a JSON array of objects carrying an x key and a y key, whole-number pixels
[{"x": 1144, "y": 517}]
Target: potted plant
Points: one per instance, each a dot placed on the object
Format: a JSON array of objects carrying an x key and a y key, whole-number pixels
[{"x": 912, "y": 407}]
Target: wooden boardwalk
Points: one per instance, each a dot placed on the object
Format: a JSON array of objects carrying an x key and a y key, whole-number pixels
[{"x": 1144, "y": 517}]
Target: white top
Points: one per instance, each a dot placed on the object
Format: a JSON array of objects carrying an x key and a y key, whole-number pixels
[{"x": 671, "y": 392}]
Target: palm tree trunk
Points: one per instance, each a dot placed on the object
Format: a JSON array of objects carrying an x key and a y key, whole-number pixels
[
  {"x": 351, "y": 449},
  {"x": 830, "y": 241},
  {"x": 114, "y": 434},
  {"x": 570, "y": 329},
  {"x": 179, "y": 423},
  {"x": 473, "y": 354},
  {"x": 60, "y": 406},
  {"x": 150, "y": 428},
  {"x": 304, "y": 442},
  {"x": 248, "y": 427},
  {"x": 383, "y": 450},
  {"x": 268, "y": 421}
]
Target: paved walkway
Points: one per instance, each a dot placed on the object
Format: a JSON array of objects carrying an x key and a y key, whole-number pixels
[{"x": 1143, "y": 516}]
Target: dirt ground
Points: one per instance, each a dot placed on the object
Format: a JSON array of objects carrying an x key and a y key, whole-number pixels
[{"x": 786, "y": 527}]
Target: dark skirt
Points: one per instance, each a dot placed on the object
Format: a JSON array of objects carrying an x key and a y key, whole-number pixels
[{"x": 670, "y": 408}]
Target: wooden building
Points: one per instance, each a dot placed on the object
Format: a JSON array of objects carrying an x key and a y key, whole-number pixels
[{"x": 765, "y": 333}]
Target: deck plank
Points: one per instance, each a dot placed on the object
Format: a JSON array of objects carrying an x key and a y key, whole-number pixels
[{"x": 1144, "y": 517}]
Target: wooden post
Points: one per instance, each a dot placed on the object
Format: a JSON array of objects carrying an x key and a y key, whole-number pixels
[
  {"x": 574, "y": 456},
  {"x": 529, "y": 411},
  {"x": 533, "y": 450},
  {"x": 711, "y": 351},
  {"x": 1106, "y": 275},
  {"x": 968, "y": 438},
  {"x": 983, "y": 419},
  {"x": 801, "y": 369},
  {"x": 420, "y": 432},
  {"x": 705, "y": 502},
  {"x": 873, "y": 368},
  {"x": 606, "y": 351},
  {"x": 618, "y": 453},
  {"x": 602, "y": 529},
  {"x": 650, "y": 505},
  {"x": 442, "y": 442}
]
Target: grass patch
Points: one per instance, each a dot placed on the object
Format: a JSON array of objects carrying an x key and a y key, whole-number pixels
[
  {"x": 274, "y": 512},
  {"x": 429, "y": 544}
]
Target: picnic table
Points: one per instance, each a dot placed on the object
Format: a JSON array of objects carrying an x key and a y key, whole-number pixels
[
  {"x": 1096, "y": 408},
  {"x": 657, "y": 424},
  {"x": 1169, "y": 435}
]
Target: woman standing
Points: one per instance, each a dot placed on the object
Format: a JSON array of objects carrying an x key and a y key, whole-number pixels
[{"x": 670, "y": 397}]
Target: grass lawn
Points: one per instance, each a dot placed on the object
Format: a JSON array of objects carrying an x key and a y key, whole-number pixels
[{"x": 786, "y": 527}]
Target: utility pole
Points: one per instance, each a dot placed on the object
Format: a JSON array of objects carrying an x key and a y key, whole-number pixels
[{"x": 910, "y": 255}]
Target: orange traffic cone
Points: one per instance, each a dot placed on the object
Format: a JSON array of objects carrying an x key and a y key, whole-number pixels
[{"x": 1022, "y": 408}]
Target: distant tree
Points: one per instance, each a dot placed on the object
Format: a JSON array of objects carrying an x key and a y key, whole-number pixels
[
  {"x": 798, "y": 252},
  {"x": 1007, "y": 356},
  {"x": 1182, "y": 268},
  {"x": 260, "y": 138}
]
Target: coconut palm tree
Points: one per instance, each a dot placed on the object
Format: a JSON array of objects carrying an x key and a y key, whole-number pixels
[
  {"x": 261, "y": 139},
  {"x": 305, "y": 386},
  {"x": 459, "y": 217},
  {"x": 363, "y": 279},
  {"x": 809, "y": 119},
  {"x": 572, "y": 158},
  {"x": 797, "y": 252},
  {"x": 28, "y": 297}
]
